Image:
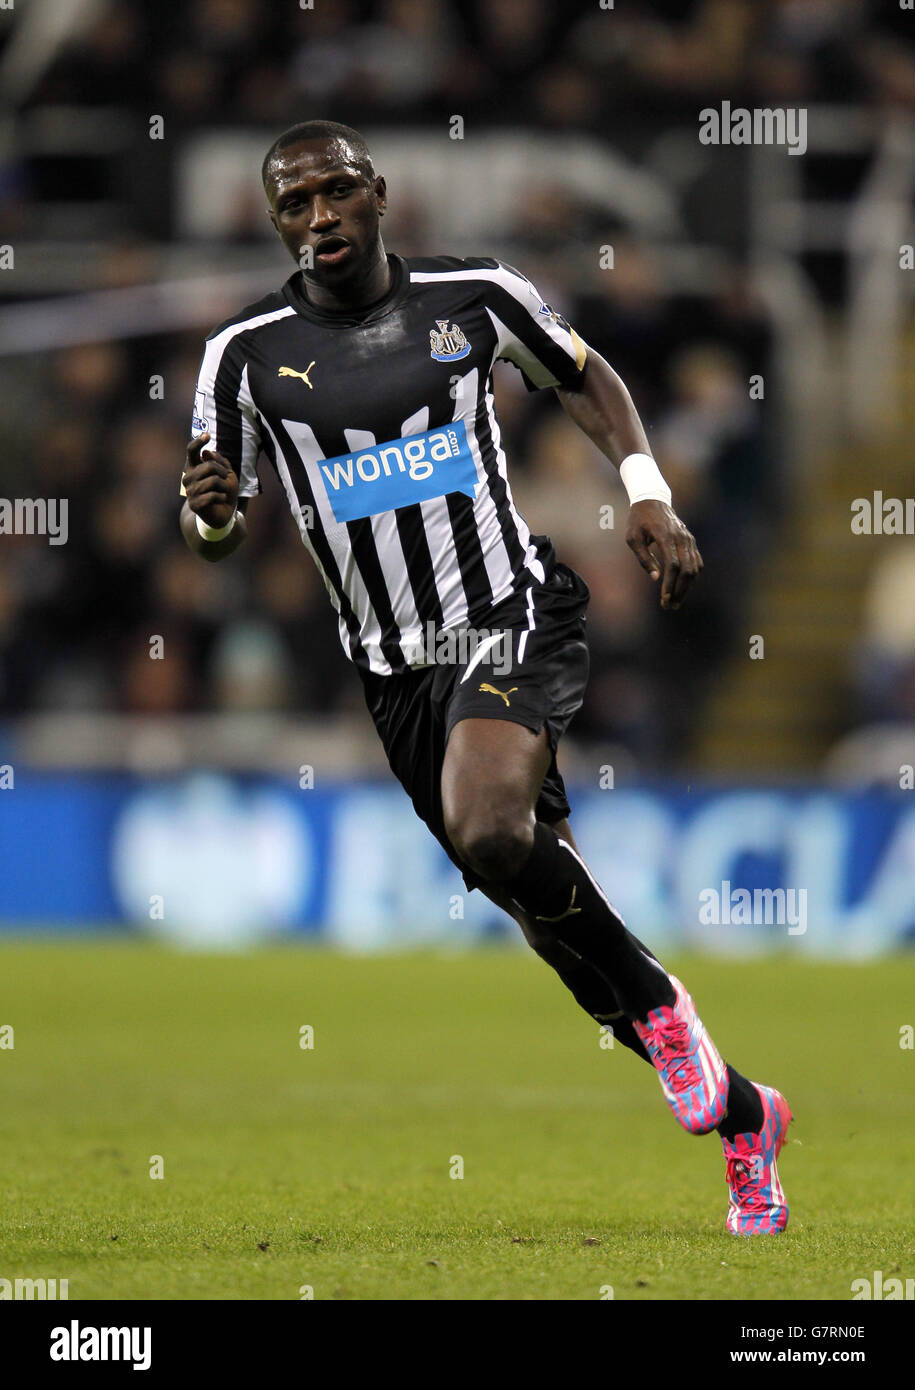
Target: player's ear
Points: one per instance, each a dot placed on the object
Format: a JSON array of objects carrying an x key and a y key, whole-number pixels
[{"x": 381, "y": 194}]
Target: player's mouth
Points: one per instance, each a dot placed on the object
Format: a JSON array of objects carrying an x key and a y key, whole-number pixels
[{"x": 331, "y": 250}]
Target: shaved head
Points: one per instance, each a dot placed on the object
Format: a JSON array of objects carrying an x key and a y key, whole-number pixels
[{"x": 331, "y": 131}]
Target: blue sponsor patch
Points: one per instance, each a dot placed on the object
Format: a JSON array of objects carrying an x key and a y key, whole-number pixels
[{"x": 382, "y": 477}]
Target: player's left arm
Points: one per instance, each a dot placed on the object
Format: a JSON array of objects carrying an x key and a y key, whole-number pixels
[{"x": 601, "y": 406}]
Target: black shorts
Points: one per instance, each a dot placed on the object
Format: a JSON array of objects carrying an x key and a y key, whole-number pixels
[{"x": 533, "y": 672}]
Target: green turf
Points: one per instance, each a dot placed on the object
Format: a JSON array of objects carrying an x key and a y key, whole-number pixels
[{"x": 286, "y": 1167}]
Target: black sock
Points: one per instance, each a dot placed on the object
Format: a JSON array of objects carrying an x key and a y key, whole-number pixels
[
  {"x": 593, "y": 992},
  {"x": 744, "y": 1113},
  {"x": 555, "y": 888}
]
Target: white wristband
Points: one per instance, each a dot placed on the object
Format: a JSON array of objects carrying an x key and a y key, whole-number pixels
[
  {"x": 216, "y": 533},
  {"x": 642, "y": 479}
]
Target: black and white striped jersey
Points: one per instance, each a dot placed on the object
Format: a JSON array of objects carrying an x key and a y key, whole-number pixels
[{"x": 381, "y": 428}]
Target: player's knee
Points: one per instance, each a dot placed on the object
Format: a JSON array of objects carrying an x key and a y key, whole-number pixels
[{"x": 495, "y": 846}]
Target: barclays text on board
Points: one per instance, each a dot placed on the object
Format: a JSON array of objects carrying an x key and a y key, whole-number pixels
[{"x": 728, "y": 871}]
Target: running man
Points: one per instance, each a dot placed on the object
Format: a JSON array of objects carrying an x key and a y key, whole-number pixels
[{"x": 365, "y": 381}]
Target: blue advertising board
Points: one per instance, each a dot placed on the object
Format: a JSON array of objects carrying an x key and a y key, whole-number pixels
[{"x": 208, "y": 859}]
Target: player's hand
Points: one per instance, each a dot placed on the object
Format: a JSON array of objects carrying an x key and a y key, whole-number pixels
[
  {"x": 665, "y": 548},
  {"x": 210, "y": 483}
]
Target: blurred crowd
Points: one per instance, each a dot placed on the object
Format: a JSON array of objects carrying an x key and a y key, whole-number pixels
[
  {"x": 258, "y": 633},
  {"x": 884, "y": 655},
  {"x": 576, "y": 63}
]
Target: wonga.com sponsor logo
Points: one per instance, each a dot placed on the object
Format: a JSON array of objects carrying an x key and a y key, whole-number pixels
[{"x": 400, "y": 472}]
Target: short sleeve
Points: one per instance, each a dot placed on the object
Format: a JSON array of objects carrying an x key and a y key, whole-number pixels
[
  {"x": 223, "y": 405},
  {"x": 532, "y": 334}
]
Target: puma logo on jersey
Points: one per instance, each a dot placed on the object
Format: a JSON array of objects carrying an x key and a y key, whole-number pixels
[
  {"x": 303, "y": 376},
  {"x": 568, "y": 913},
  {"x": 503, "y": 694}
]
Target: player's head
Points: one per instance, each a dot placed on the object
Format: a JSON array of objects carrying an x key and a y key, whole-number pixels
[{"x": 323, "y": 191}]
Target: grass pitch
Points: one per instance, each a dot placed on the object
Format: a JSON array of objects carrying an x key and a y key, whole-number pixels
[{"x": 287, "y": 1168}]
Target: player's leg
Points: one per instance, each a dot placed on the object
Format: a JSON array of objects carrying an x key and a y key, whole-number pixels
[
  {"x": 755, "y": 1124},
  {"x": 596, "y": 997},
  {"x": 491, "y": 776},
  {"x": 594, "y": 993},
  {"x": 590, "y": 989},
  {"x": 412, "y": 721}
]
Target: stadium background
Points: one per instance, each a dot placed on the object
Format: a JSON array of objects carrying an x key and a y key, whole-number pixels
[
  {"x": 263, "y": 1122},
  {"x": 246, "y": 746}
]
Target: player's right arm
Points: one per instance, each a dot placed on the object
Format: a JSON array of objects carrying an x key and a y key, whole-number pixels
[
  {"x": 220, "y": 472},
  {"x": 210, "y": 485}
]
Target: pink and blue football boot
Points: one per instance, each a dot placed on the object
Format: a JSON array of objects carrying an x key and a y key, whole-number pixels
[
  {"x": 693, "y": 1076},
  {"x": 757, "y": 1205}
]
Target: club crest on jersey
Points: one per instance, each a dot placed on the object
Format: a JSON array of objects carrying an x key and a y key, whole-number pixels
[{"x": 447, "y": 344}]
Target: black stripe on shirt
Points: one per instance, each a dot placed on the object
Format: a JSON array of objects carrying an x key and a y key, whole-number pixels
[
  {"x": 418, "y": 557},
  {"x": 319, "y": 542},
  {"x": 469, "y": 551},
  {"x": 365, "y": 554},
  {"x": 498, "y": 489}
]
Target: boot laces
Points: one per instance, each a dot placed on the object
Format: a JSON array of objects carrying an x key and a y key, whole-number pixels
[{"x": 676, "y": 1047}]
